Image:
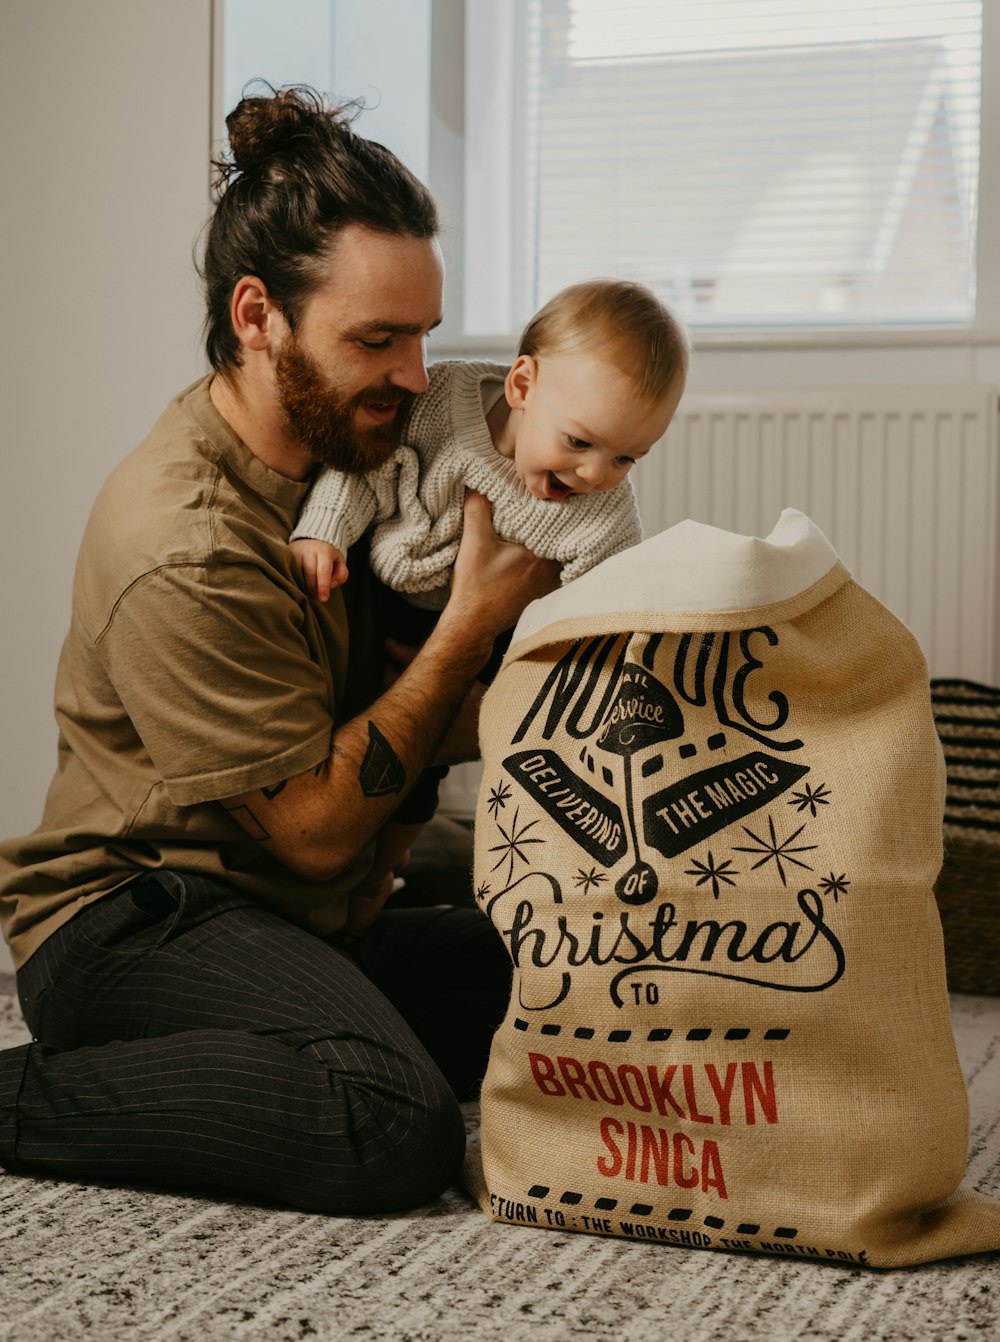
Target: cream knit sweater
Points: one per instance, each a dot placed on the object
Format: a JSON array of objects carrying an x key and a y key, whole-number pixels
[{"x": 415, "y": 500}]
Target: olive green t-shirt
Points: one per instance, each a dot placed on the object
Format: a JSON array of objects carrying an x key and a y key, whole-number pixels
[{"x": 196, "y": 668}]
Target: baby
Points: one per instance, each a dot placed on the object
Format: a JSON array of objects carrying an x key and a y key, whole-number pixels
[{"x": 550, "y": 442}]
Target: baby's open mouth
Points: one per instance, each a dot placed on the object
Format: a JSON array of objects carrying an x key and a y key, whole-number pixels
[{"x": 554, "y": 487}]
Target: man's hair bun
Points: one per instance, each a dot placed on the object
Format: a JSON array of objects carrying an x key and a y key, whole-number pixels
[{"x": 262, "y": 126}]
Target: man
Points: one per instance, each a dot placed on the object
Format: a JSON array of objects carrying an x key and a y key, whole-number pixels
[{"x": 214, "y": 1001}]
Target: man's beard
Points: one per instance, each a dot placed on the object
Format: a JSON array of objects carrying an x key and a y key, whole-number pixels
[{"x": 324, "y": 420}]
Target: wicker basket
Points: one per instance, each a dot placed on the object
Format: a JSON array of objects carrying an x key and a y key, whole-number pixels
[{"x": 968, "y": 890}]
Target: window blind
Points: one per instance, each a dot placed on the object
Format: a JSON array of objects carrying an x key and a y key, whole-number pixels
[{"x": 758, "y": 163}]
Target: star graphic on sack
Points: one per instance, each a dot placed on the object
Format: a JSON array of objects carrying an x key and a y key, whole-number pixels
[
  {"x": 775, "y": 851},
  {"x": 811, "y": 797},
  {"x": 710, "y": 870},
  {"x": 499, "y": 797},
  {"x": 514, "y": 841},
  {"x": 834, "y": 885},
  {"x": 587, "y": 880}
]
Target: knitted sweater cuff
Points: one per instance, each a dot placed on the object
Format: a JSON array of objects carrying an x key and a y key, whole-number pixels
[{"x": 321, "y": 523}]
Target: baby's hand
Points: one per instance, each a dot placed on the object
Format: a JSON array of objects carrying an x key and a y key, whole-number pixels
[{"x": 322, "y": 565}]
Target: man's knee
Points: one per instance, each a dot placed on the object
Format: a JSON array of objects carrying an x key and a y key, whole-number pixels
[{"x": 398, "y": 1154}]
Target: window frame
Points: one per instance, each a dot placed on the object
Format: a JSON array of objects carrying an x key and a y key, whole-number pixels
[
  {"x": 469, "y": 113},
  {"x": 495, "y": 30}
]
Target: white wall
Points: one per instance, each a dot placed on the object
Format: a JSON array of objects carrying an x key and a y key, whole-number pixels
[{"x": 105, "y": 107}]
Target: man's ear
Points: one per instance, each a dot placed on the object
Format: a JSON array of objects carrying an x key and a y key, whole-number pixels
[
  {"x": 520, "y": 380},
  {"x": 255, "y": 319}
]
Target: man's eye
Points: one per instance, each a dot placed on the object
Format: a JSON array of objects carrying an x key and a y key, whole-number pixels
[{"x": 376, "y": 344}]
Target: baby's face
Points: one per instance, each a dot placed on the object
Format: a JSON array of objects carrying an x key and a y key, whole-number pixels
[{"x": 582, "y": 426}]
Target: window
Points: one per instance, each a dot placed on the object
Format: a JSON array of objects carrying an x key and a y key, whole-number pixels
[
  {"x": 340, "y": 48},
  {"x": 767, "y": 166},
  {"x": 758, "y": 163}
]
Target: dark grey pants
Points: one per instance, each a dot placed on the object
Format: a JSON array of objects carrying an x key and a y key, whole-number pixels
[{"x": 189, "y": 1038}]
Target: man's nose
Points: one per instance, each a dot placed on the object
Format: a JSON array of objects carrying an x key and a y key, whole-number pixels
[{"x": 410, "y": 371}]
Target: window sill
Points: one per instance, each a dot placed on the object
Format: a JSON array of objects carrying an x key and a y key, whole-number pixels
[{"x": 730, "y": 339}]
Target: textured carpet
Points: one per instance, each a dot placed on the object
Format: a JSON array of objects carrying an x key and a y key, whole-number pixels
[{"x": 119, "y": 1265}]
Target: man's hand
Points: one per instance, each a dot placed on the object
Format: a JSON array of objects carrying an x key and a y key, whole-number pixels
[
  {"x": 364, "y": 907},
  {"x": 461, "y": 741},
  {"x": 392, "y": 852},
  {"x": 398, "y": 658},
  {"x": 493, "y": 580}
]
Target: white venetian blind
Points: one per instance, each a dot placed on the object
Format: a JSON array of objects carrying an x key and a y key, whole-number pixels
[{"x": 758, "y": 163}]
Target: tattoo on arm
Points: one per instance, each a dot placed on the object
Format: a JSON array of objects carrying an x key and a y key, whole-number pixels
[
  {"x": 271, "y": 792},
  {"x": 382, "y": 772},
  {"x": 249, "y": 821}
]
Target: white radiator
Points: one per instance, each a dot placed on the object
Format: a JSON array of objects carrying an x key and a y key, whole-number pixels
[{"x": 903, "y": 481}]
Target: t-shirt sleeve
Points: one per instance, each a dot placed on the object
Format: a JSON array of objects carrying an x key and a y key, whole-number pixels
[{"x": 220, "y": 672}]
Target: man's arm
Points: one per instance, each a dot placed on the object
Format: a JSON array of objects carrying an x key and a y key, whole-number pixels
[{"x": 317, "y": 821}]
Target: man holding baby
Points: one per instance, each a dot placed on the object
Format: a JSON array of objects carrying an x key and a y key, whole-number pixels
[{"x": 216, "y": 996}]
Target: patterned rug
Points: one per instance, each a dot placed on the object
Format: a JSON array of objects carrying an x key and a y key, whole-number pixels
[{"x": 119, "y": 1265}]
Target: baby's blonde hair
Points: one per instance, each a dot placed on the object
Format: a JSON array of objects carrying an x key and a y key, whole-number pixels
[{"x": 620, "y": 318}]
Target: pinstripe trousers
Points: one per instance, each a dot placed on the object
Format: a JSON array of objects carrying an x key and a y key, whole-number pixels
[{"x": 189, "y": 1038}]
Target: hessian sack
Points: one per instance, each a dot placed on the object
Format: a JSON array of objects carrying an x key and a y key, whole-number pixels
[{"x": 708, "y": 832}]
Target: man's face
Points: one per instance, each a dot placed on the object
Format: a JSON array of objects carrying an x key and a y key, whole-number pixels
[
  {"x": 329, "y": 420},
  {"x": 345, "y": 378}
]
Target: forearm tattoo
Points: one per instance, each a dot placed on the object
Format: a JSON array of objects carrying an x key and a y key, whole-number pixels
[
  {"x": 249, "y": 822},
  {"x": 382, "y": 771},
  {"x": 249, "y": 819}
]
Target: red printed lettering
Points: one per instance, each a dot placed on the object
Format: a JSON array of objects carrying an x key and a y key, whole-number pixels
[
  {"x": 605, "y": 1166},
  {"x": 762, "y": 1090},
  {"x": 575, "y": 1078},
  {"x": 545, "y": 1074}
]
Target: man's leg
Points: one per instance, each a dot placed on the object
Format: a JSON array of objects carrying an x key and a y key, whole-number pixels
[
  {"x": 190, "y": 1040},
  {"x": 448, "y": 973}
]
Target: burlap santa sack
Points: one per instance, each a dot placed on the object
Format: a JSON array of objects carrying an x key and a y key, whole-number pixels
[{"x": 708, "y": 832}]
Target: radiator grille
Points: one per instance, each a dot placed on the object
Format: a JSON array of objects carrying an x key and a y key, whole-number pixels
[{"x": 902, "y": 480}]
